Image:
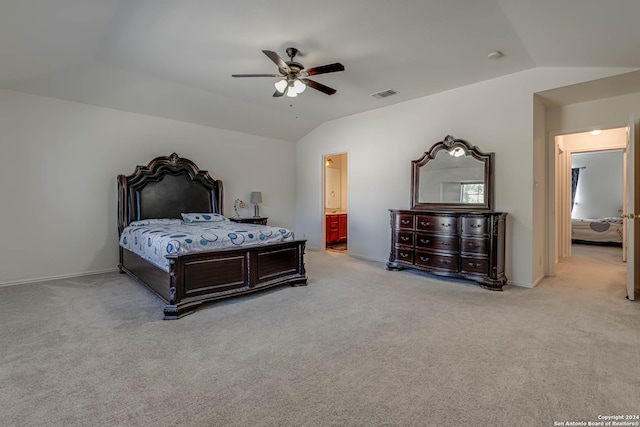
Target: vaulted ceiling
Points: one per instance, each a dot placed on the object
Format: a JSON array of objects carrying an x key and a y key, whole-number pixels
[{"x": 175, "y": 58}]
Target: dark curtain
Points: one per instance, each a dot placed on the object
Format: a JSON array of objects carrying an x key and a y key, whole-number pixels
[{"x": 575, "y": 174}]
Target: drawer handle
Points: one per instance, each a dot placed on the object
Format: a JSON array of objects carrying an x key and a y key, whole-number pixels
[
  {"x": 446, "y": 261},
  {"x": 472, "y": 245},
  {"x": 424, "y": 258},
  {"x": 404, "y": 238},
  {"x": 405, "y": 221},
  {"x": 471, "y": 264},
  {"x": 445, "y": 224},
  {"x": 425, "y": 223},
  {"x": 403, "y": 255},
  {"x": 425, "y": 241},
  {"x": 446, "y": 243},
  {"x": 476, "y": 225}
]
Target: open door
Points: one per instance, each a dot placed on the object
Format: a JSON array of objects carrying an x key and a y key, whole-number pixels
[{"x": 629, "y": 216}]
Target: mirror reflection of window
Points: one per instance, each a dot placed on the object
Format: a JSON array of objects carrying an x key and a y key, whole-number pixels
[
  {"x": 462, "y": 192},
  {"x": 472, "y": 192}
]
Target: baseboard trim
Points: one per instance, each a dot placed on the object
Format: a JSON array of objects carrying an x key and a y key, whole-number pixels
[
  {"x": 525, "y": 285},
  {"x": 367, "y": 258},
  {"x": 353, "y": 255},
  {"x": 538, "y": 280},
  {"x": 58, "y": 277}
]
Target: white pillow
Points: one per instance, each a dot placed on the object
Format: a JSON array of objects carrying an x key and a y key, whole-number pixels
[{"x": 203, "y": 217}]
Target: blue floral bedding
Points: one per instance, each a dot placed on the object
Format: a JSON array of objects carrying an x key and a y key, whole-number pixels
[{"x": 153, "y": 239}]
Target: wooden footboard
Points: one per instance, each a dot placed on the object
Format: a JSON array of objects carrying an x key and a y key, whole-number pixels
[{"x": 200, "y": 277}]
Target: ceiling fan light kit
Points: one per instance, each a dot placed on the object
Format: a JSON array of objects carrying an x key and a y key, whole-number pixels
[
  {"x": 291, "y": 88},
  {"x": 293, "y": 76}
]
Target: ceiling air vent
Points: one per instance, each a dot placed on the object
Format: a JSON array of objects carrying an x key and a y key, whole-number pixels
[{"x": 384, "y": 93}]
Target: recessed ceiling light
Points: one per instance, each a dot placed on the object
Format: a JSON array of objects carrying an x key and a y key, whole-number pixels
[
  {"x": 595, "y": 132},
  {"x": 496, "y": 54}
]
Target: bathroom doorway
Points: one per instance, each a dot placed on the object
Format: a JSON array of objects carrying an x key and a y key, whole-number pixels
[{"x": 336, "y": 196}]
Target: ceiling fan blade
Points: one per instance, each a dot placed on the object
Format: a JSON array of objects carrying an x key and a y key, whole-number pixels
[
  {"x": 256, "y": 75},
  {"x": 323, "y": 69},
  {"x": 278, "y": 94},
  {"x": 319, "y": 86},
  {"x": 282, "y": 66}
]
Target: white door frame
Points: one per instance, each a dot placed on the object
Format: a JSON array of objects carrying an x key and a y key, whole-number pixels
[{"x": 630, "y": 208}]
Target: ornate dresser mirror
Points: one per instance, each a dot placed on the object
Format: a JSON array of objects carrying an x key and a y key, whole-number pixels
[
  {"x": 452, "y": 175},
  {"x": 451, "y": 229}
]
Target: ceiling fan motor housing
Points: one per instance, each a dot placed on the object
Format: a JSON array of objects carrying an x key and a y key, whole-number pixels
[
  {"x": 295, "y": 66},
  {"x": 292, "y": 52}
]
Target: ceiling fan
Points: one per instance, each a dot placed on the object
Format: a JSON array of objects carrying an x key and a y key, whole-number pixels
[{"x": 294, "y": 76}]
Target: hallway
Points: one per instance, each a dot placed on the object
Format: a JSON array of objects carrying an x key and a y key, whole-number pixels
[{"x": 594, "y": 268}]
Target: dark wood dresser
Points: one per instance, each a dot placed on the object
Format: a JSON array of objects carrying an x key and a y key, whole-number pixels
[{"x": 467, "y": 244}]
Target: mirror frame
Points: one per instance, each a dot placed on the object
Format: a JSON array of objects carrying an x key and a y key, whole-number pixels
[{"x": 448, "y": 144}]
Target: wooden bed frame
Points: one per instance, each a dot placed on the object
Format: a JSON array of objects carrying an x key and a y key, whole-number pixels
[{"x": 169, "y": 186}]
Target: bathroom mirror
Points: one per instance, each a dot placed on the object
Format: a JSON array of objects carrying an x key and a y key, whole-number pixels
[
  {"x": 333, "y": 186},
  {"x": 452, "y": 175}
]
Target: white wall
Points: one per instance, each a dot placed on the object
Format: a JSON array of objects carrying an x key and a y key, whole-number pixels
[
  {"x": 496, "y": 115},
  {"x": 58, "y": 178},
  {"x": 602, "y": 113},
  {"x": 600, "y": 184}
]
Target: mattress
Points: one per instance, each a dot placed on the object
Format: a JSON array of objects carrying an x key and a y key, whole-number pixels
[
  {"x": 155, "y": 238},
  {"x": 603, "y": 230}
]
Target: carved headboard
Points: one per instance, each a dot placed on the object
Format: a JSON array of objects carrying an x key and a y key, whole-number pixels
[{"x": 165, "y": 188}]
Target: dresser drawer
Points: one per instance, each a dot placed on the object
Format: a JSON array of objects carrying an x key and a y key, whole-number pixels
[
  {"x": 474, "y": 245},
  {"x": 442, "y": 243},
  {"x": 403, "y": 221},
  {"x": 474, "y": 265},
  {"x": 404, "y": 255},
  {"x": 404, "y": 238},
  {"x": 437, "y": 224},
  {"x": 475, "y": 225},
  {"x": 425, "y": 222},
  {"x": 442, "y": 262}
]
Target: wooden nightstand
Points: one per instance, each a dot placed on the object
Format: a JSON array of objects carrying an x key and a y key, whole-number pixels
[{"x": 261, "y": 220}]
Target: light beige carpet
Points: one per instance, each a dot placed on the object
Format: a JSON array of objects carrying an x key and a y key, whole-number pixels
[{"x": 359, "y": 346}]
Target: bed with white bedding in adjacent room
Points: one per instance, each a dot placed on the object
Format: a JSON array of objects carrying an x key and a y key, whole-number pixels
[{"x": 603, "y": 231}]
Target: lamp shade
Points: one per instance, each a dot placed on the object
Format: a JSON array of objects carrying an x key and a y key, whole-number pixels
[
  {"x": 256, "y": 197},
  {"x": 291, "y": 92},
  {"x": 299, "y": 86},
  {"x": 281, "y": 85}
]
